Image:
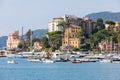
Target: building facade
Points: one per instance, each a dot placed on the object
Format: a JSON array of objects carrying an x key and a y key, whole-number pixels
[
  {"x": 53, "y": 25},
  {"x": 108, "y": 47},
  {"x": 115, "y": 27},
  {"x": 37, "y": 46},
  {"x": 85, "y": 23},
  {"x": 70, "y": 37},
  {"x": 71, "y": 19},
  {"x": 13, "y": 41},
  {"x": 88, "y": 25}
]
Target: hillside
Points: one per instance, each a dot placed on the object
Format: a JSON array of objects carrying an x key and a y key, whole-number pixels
[
  {"x": 105, "y": 16},
  {"x": 3, "y": 41},
  {"x": 39, "y": 33},
  {"x": 36, "y": 33}
]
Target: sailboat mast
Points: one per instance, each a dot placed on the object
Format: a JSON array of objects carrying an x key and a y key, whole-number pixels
[
  {"x": 22, "y": 32},
  {"x": 31, "y": 40},
  {"x": 22, "y": 37}
]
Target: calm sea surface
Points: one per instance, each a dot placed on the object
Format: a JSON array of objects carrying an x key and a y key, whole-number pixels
[{"x": 58, "y": 71}]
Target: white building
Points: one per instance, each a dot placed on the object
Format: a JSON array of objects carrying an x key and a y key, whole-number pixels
[{"x": 52, "y": 26}]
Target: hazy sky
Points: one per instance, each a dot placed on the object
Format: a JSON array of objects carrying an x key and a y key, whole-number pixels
[{"x": 36, "y": 14}]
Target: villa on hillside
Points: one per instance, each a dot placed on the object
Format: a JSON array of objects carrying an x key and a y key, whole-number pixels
[
  {"x": 115, "y": 27},
  {"x": 107, "y": 47},
  {"x": 13, "y": 41},
  {"x": 70, "y": 37}
]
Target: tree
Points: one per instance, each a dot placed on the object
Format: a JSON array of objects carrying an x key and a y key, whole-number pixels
[
  {"x": 55, "y": 39},
  {"x": 110, "y": 22},
  {"x": 45, "y": 42},
  {"x": 28, "y": 34},
  {"x": 118, "y": 38},
  {"x": 85, "y": 47},
  {"x": 36, "y": 39},
  {"x": 100, "y": 24},
  {"x": 63, "y": 24},
  {"x": 81, "y": 32},
  {"x": 27, "y": 44},
  {"x": 75, "y": 49}
]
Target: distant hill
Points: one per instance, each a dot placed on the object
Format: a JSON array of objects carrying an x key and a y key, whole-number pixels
[
  {"x": 3, "y": 41},
  {"x": 105, "y": 16},
  {"x": 36, "y": 33},
  {"x": 39, "y": 33}
]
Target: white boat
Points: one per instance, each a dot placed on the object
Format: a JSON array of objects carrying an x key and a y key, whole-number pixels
[
  {"x": 11, "y": 62},
  {"x": 34, "y": 60},
  {"x": 116, "y": 62},
  {"x": 27, "y": 54},
  {"x": 105, "y": 61},
  {"x": 18, "y": 55},
  {"x": 48, "y": 61}
]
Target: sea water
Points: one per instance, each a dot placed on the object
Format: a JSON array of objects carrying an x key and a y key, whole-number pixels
[{"x": 58, "y": 71}]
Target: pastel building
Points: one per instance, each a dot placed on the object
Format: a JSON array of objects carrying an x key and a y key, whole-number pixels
[
  {"x": 13, "y": 41},
  {"x": 37, "y": 45},
  {"x": 115, "y": 27},
  {"x": 107, "y": 47},
  {"x": 70, "y": 37}
]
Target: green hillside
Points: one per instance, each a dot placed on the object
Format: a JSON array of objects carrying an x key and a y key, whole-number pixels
[{"x": 105, "y": 16}]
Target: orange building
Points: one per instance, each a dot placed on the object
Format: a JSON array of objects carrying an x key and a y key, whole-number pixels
[
  {"x": 13, "y": 41},
  {"x": 70, "y": 37}
]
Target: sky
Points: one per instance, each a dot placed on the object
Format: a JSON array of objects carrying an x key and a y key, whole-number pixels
[{"x": 36, "y": 14}]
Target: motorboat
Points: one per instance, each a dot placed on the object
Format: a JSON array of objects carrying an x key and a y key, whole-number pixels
[
  {"x": 19, "y": 55},
  {"x": 76, "y": 61},
  {"x": 33, "y": 60},
  {"x": 11, "y": 62},
  {"x": 48, "y": 61},
  {"x": 61, "y": 60},
  {"x": 105, "y": 61},
  {"x": 10, "y": 55},
  {"x": 116, "y": 61},
  {"x": 27, "y": 54}
]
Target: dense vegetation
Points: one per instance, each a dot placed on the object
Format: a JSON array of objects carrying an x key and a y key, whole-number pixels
[
  {"x": 99, "y": 34},
  {"x": 53, "y": 40}
]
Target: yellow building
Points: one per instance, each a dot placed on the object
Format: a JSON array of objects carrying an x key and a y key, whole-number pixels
[
  {"x": 115, "y": 27},
  {"x": 71, "y": 37},
  {"x": 13, "y": 41}
]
